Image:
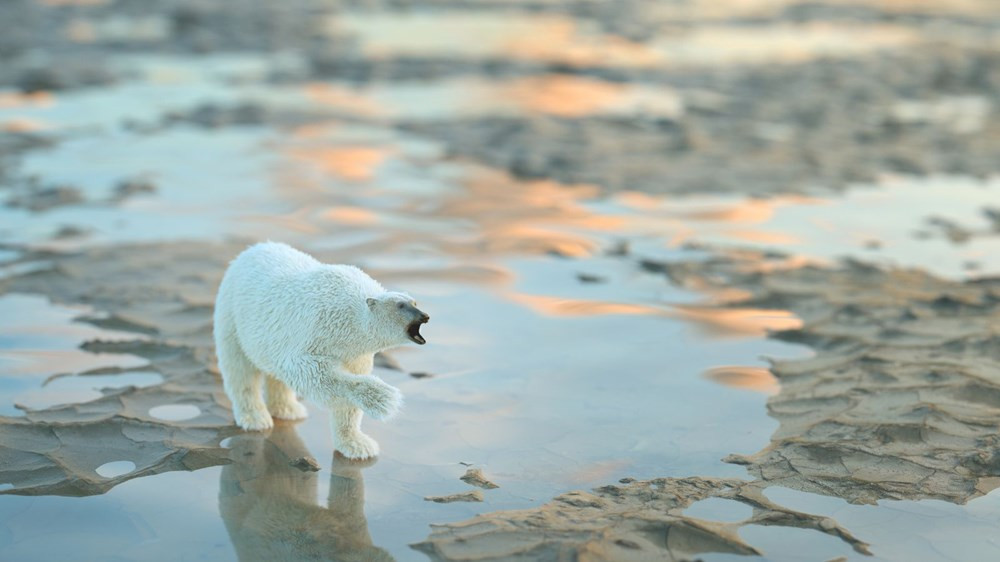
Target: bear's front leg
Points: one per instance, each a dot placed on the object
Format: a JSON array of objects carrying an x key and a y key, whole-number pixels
[
  {"x": 320, "y": 378},
  {"x": 345, "y": 420},
  {"x": 282, "y": 402}
]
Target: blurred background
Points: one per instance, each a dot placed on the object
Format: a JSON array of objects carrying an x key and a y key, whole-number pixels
[{"x": 749, "y": 247}]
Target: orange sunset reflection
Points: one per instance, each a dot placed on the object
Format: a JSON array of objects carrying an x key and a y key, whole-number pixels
[
  {"x": 351, "y": 163},
  {"x": 530, "y": 217},
  {"x": 566, "y": 96},
  {"x": 25, "y": 362},
  {"x": 558, "y": 306},
  {"x": 741, "y": 322},
  {"x": 758, "y": 379},
  {"x": 351, "y": 215},
  {"x": 22, "y": 126},
  {"x": 562, "y": 40},
  {"x": 29, "y": 99}
]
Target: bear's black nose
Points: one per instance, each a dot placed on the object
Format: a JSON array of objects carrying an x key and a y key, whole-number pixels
[{"x": 424, "y": 318}]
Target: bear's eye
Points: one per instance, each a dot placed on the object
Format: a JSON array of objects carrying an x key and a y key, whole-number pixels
[{"x": 401, "y": 306}]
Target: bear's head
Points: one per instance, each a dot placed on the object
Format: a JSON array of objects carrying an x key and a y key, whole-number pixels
[{"x": 399, "y": 314}]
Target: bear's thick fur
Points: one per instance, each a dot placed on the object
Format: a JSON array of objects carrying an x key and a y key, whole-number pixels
[{"x": 289, "y": 323}]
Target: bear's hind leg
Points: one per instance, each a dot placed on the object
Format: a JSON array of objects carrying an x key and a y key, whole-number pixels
[
  {"x": 282, "y": 402},
  {"x": 243, "y": 381},
  {"x": 345, "y": 420}
]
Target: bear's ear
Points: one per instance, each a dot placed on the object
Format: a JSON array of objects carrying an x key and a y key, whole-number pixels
[{"x": 371, "y": 302}]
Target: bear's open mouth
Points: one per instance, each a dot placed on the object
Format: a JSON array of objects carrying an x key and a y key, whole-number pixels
[{"x": 413, "y": 330}]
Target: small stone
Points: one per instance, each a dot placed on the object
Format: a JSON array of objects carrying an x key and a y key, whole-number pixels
[
  {"x": 621, "y": 248},
  {"x": 128, "y": 188},
  {"x": 471, "y": 496},
  {"x": 653, "y": 266},
  {"x": 625, "y": 543},
  {"x": 68, "y": 231},
  {"x": 39, "y": 199},
  {"x": 580, "y": 499},
  {"x": 305, "y": 464},
  {"x": 736, "y": 459},
  {"x": 474, "y": 476}
]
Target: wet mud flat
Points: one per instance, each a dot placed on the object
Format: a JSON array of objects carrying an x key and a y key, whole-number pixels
[
  {"x": 897, "y": 403},
  {"x": 531, "y": 161}
]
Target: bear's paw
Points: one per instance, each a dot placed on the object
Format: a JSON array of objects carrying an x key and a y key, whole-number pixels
[
  {"x": 254, "y": 420},
  {"x": 378, "y": 399},
  {"x": 357, "y": 446}
]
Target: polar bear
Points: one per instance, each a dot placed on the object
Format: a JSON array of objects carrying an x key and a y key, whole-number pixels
[{"x": 290, "y": 324}]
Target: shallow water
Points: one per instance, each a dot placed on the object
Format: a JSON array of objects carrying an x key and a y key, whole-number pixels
[
  {"x": 38, "y": 340},
  {"x": 531, "y": 419},
  {"x": 547, "y": 381}
]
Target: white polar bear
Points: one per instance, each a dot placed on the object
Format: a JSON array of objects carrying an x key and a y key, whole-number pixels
[{"x": 288, "y": 322}]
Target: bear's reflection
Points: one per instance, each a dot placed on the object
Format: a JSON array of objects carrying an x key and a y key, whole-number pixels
[{"x": 269, "y": 504}]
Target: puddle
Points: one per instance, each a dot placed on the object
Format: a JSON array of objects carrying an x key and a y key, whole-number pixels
[
  {"x": 39, "y": 339},
  {"x": 901, "y": 529},
  {"x": 175, "y": 412},
  {"x": 115, "y": 468},
  {"x": 82, "y": 388},
  {"x": 799, "y": 545},
  {"x": 717, "y": 509}
]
